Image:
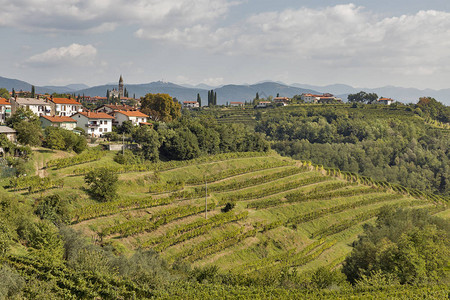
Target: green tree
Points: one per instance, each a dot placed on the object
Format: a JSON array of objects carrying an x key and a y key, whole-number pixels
[
  {"x": 127, "y": 127},
  {"x": 54, "y": 209},
  {"x": 22, "y": 114},
  {"x": 363, "y": 97},
  {"x": 4, "y": 93},
  {"x": 182, "y": 145},
  {"x": 29, "y": 133},
  {"x": 33, "y": 94},
  {"x": 199, "y": 100},
  {"x": 149, "y": 141},
  {"x": 102, "y": 184},
  {"x": 410, "y": 245},
  {"x": 161, "y": 107}
]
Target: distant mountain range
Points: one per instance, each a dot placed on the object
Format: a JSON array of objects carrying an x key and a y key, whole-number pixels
[{"x": 233, "y": 92}]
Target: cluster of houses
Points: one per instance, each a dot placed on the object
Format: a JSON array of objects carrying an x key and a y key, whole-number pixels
[{"x": 68, "y": 113}]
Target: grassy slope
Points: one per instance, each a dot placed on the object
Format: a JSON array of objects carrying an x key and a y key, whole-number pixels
[{"x": 286, "y": 239}]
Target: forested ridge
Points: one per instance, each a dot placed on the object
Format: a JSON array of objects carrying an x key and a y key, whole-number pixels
[{"x": 395, "y": 145}]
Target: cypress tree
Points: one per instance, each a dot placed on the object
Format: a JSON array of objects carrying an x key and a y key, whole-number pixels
[
  {"x": 199, "y": 100},
  {"x": 215, "y": 98},
  {"x": 13, "y": 93},
  {"x": 32, "y": 91}
]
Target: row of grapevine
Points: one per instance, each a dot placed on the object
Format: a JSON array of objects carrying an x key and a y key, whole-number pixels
[
  {"x": 135, "y": 226},
  {"x": 240, "y": 184},
  {"x": 268, "y": 262},
  {"x": 163, "y": 242},
  {"x": 273, "y": 189},
  {"x": 173, "y": 164},
  {"x": 338, "y": 208},
  {"x": 354, "y": 177},
  {"x": 298, "y": 196},
  {"x": 345, "y": 224},
  {"x": 94, "y": 286},
  {"x": 34, "y": 183},
  {"x": 89, "y": 155}
]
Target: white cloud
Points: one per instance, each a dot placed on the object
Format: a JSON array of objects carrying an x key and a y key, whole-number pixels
[
  {"x": 105, "y": 15},
  {"x": 73, "y": 54}
]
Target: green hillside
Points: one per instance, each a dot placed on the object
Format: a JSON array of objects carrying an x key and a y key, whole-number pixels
[{"x": 286, "y": 213}]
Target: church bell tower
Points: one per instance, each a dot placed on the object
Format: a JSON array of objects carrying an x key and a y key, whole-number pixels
[{"x": 121, "y": 86}]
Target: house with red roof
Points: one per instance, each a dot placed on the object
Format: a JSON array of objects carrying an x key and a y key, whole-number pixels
[
  {"x": 236, "y": 104},
  {"x": 110, "y": 108},
  {"x": 385, "y": 101},
  {"x": 65, "y": 106},
  {"x": 5, "y": 110},
  {"x": 95, "y": 124},
  {"x": 58, "y": 121},
  {"x": 136, "y": 117}
]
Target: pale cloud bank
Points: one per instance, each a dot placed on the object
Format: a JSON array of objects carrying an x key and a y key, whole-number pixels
[{"x": 73, "y": 54}]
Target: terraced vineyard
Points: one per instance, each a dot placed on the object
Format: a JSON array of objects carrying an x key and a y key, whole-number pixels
[{"x": 263, "y": 212}]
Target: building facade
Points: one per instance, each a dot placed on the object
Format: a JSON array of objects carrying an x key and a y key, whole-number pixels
[
  {"x": 5, "y": 110},
  {"x": 58, "y": 121},
  {"x": 95, "y": 124},
  {"x": 65, "y": 106},
  {"x": 39, "y": 107},
  {"x": 136, "y": 117}
]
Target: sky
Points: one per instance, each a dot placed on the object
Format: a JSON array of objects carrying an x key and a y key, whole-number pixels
[{"x": 362, "y": 43}]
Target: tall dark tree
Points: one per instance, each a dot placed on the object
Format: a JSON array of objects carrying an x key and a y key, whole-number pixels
[
  {"x": 215, "y": 98},
  {"x": 13, "y": 92},
  {"x": 199, "y": 100},
  {"x": 33, "y": 91},
  {"x": 257, "y": 96},
  {"x": 107, "y": 94}
]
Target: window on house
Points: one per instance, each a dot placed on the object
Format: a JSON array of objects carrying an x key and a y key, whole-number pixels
[{"x": 99, "y": 130}]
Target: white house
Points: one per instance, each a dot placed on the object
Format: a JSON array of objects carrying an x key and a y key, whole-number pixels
[
  {"x": 263, "y": 104},
  {"x": 136, "y": 117},
  {"x": 386, "y": 101},
  {"x": 284, "y": 100},
  {"x": 5, "y": 110},
  {"x": 309, "y": 98},
  {"x": 190, "y": 104},
  {"x": 38, "y": 106},
  {"x": 58, "y": 121},
  {"x": 236, "y": 104},
  {"x": 95, "y": 124},
  {"x": 65, "y": 106}
]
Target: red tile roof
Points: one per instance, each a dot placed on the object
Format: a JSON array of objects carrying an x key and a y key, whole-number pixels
[
  {"x": 94, "y": 115},
  {"x": 131, "y": 113},
  {"x": 3, "y": 101},
  {"x": 65, "y": 101},
  {"x": 118, "y": 107},
  {"x": 59, "y": 119},
  {"x": 385, "y": 99}
]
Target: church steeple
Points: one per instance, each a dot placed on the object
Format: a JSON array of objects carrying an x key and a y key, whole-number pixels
[{"x": 121, "y": 86}]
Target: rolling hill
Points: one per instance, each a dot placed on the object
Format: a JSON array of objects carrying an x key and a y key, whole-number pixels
[{"x": 264, "y": 211}]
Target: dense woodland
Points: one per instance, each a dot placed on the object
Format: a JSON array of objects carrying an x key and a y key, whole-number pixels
[
  {"x": 398, "y": 148},
  {"x": 402, "y": 251}
]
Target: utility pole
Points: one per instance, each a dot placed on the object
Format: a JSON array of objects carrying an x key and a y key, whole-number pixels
[
  {"x": 206, "y": 199},
  {"x": 123, "y": 143}
]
